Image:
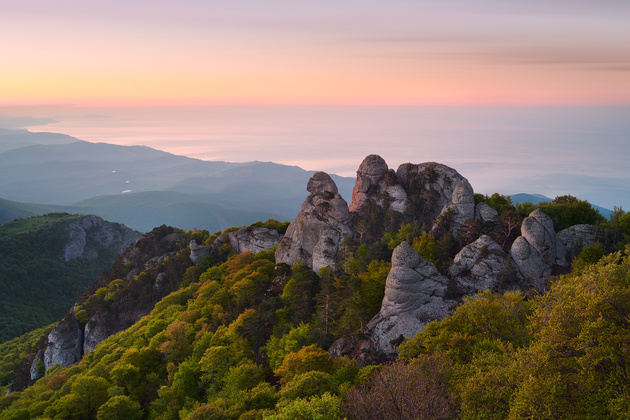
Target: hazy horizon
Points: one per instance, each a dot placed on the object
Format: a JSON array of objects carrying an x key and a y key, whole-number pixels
[{"x": 552, "y": 151}]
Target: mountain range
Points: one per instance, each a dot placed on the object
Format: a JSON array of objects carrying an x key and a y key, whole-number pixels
[{"x": 143, "y": 187}]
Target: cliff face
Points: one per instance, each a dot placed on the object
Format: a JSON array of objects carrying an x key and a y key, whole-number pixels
[
  {"x": 89, "y": 234},
  {"x": 151, "y": 274}
]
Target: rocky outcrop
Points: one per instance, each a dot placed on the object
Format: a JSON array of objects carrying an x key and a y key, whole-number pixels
[
  {"x": 37, "y": 366},
  {"x": 577, "y": 237},
  {"x": 103, "y": 325},
  {"x": 432, "y": 185},
  {"x": 95, "y": 331},
  {"x": 414, "y": 296},
  {"x": 65, "y": 343},
  {"x": 376, "y": 182},
  {"x": 89, "y": 234},
  {"x": 537, "y": 251},
  {"x": 316, "y": 233},
  {"x": 485, "y": 213},
  {"x": 198, "y": 252},
  {"x": 249, "y": 238},
  {"x": 479, "y": 266},
  {"x": 461, "y": 208}
]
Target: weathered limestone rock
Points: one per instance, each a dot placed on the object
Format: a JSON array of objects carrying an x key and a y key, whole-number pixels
[
  {"x": 198, "y": 252},
  {"x": 103, "y": 325},
  {"x": 316, "y": 233},
  {"x": 479, "y": 266},
  {"x": 35, "y": 366},
  {"x": 485, "y": 213},
  {"x": 252, "y": 239},
  {"x": 537, "y": 251},
  {"x": 461, "y": 207},
  {"x": 414, "y": 296},
  {"x": 65, "y": 343},
  {"x": 374, "y": 182},
  {"x": 433, "y": 185},
  {"x": 96, "y": 330},
  {"x": 577, "y": 237},
  {"x": 103, "y": 233}
]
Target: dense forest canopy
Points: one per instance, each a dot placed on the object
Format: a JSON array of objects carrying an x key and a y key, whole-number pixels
[
  {"x": 37, "y": 284},
  {"x": 237, "y": 336}
]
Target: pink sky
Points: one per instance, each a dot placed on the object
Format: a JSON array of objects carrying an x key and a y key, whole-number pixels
[{"x": 166, "y": 52}]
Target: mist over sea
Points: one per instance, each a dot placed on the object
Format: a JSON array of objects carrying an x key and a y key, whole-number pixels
[{"x": 550, "y": 150}]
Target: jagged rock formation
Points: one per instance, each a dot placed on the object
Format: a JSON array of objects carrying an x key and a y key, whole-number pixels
[
  {"x": 479, "y": 266},
  {"x": 198, "y": 252},
  {"x": 461, "y": 208},
  {"x": 252, "y": 239},
  {"x": 414, "y": 296},
  {"x": 316, "y": 233},
  {"x": 375, "y": 181},
  {"x": 537, "y": 251},
  {"x": 65, "y": 343},
  {"x": 577, "y": 237},
  {"x": 102, "y": 233},
  {"x": 430, "y": 187},
  {"x": 485, "y": 213}
]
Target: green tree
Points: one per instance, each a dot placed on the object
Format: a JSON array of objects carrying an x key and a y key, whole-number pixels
[
  {"x": 120, "y": 407},
  {"x": 309, "y": 358}
]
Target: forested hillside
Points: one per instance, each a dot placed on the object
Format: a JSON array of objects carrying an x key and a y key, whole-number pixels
[
  {"x": 46, "y": 262},
  {"x": 199, "y": 330}
]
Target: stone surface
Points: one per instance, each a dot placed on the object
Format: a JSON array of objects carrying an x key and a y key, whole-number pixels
[
  {"x": 95, "y": 331},
  {"x": 577, "y": 237},
  {"x": 316, "y": 233},
  {"x": 65, "y": 343},
  {"x": 374, "y": 182},
  {"x": 198, "y": 252},
  {"x": 479, "y": 266},
  {"x": 537, "y": 251},
  {"x": 103, "y": 233},
  {"x": 433, "y": 185},
  {"x": 102, "y": 325},
  {"x": 414, "y": 296},
  {"x": 462, "y": 205},
  {"x": 485, "y": 213},
  {"x": 252, "y": 239},
  {"x": 39, "y": 357}
]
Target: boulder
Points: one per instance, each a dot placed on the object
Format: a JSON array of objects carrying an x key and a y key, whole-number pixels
[
  {"x": 414, "y": 296},
  {"x": 316, "y": 233},
  {"x": 252, "y": 239},
  {"x": 65, "y": 343},
  {"x": 462, "y": 206},
  {"x": 537, "y": 251},
  {"x": 479, "y": 266},
  {"x": 485, "y": 213},
  {"x": 377, "y": 183},
  {"x": 577, "y": 237}
]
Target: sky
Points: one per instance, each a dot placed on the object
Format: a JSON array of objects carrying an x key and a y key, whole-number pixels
[
  {"x": 519, "y": 96},
  {"x": 367, "y": 52}
]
